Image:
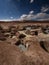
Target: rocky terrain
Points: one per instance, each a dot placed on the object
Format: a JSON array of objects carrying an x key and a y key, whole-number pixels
[{"x": 28, "y": 45}]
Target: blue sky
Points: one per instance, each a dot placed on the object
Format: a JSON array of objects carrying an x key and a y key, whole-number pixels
[{"x": 24, "y": 9}]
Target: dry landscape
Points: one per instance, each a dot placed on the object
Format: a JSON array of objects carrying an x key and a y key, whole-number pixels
[{"x": 24, "y": 43}]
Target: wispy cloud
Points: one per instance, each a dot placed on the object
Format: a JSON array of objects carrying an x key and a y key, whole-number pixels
[
  {"x": 45, "y": 9},
  {"x": 11, "y": 17},
  {"x": 31, "y": 12},
  {"x": 31, "y": 16},
  {"x": 31, "y": 1},
  {"x": 41, "y": 16},
  {"x": 26, "y": 17}
]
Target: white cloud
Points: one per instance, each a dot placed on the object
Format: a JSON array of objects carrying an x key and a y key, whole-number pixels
[
  {"x": 11, "y": 17},
  {"x": 31, "y": 12},
  {"x": 39, "y": 16},
  {"x": 23, "y": 16},
  {"x": 44, "y": 9},
  {"x": 27, "y": 17},
  {"x": 31, "y": 1}
]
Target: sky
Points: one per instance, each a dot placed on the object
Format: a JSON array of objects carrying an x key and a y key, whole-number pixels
[{"x": 24, "y": 10}]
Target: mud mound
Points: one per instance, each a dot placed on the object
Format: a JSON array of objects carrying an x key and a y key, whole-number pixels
[
  {"x": 37, "y": 54},
  {"x": 11, "y": 55}
]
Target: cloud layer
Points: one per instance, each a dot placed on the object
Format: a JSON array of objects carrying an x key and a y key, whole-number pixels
[{"x": 39, "y": 16}]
